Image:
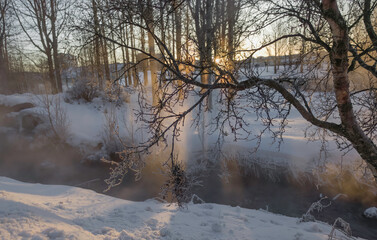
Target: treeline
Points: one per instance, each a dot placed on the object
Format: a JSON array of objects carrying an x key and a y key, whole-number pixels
[
  {"x": 49, "y": 43},
  {"x": 112, "y": 40}
]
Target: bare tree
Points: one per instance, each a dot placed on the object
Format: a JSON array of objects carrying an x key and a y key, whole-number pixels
[
  {"x": 323, "y": 24},
  {"x": 43, "y": 21},
  {"x": 205, "y": 28},
  {"x": 97, "y": 44}
]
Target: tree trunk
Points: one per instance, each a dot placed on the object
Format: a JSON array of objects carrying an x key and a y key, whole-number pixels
[
  {"x": 123, "y": 49},
  {"x": 339, "y": 61},
  {"x": 133, "y": 57},
  {"x": 4, "y": 67},
  {"x": 302, "y": 57},
  {"x": 152, "y": 63},
  {"x": 129, "y": 80},
  {"x": 231, "y": 24},
  {"x": 145, "y": 72},
  {"x": 97, "y": 45},
  {"x": 187, "y": 32},
  {"x": 105, "y": 53},
  {"x": 41, "y": 16},
  {"x": 3, "y": 72},
  {"x": 115, "y": 62},
  {"x": 51, "y": 73},
  {"x": 178, "y": 27},
  {"x": 55, "y": 46}
]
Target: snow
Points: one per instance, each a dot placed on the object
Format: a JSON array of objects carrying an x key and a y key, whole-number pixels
[
  {"x": 371, "y": 212},
  {"x": 14, "y": 99},
  {"x": 36, "y": 211},
  {"x": 87, "y": 122}
]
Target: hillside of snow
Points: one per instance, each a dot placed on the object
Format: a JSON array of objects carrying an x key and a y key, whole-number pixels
[{"x": 35, "y": 211}]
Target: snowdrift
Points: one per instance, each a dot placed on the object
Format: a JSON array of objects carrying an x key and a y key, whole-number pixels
[{"x": 35, "y": 211}]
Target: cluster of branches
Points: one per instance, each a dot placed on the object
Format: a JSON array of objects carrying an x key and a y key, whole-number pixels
[
  {"x": 41, "y": 24},
  {"x": 163, "y": 37},
  {"x": 338, "y": 37}
]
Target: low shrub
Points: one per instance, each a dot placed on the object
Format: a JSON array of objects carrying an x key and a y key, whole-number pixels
[{"x": 83, "y": 89}]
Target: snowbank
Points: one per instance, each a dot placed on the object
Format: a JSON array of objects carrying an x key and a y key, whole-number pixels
[
  {"x": 11, "y": 100},
  {"x": 35, "y": 211}
]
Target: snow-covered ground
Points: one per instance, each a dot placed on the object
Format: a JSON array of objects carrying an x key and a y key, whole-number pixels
[
  {"x": 88, "y": 120},
  {"x": 35, "y": 211}
]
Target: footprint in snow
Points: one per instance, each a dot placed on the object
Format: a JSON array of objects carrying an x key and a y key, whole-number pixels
[
  {"x": 100, "y": 218},
  {"x": 207, "y": 206},
  {"x": 203, "y": 224},
  {"x": 149, "y": 209},
  {"x": 164, "y": 232},
  {"x": 133, "y": 218},
  {"x": 152, "y": 223},
  {"x": 117, "y": 213},
  {"x": 275, "y": 223},
  {"x": 125, "y": 236},
  {"x": 314, "y": 228},
  {"x": 198, "y": 214},
  {"x": 53, "y": 233},
  {"x": 106, "y": 230},
  {"x": 298, "y": 236},
  {"x": 216, "y": 227}
]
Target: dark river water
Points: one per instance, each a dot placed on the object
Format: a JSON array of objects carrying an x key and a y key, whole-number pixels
[{"x": 25, "y": 159}]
